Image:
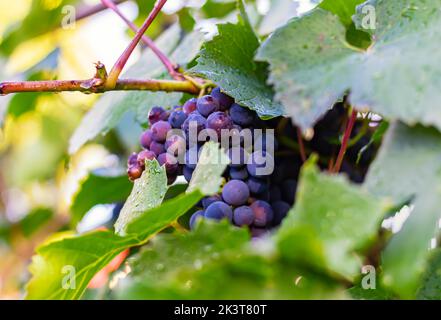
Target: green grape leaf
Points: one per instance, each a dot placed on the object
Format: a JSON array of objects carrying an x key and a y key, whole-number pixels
[
  {"x": 34, "y": 220},
  {"x": 62, "y": 269},
  {"x": 331, "y": 220},
  {"x": 344, "y": 9},
  {"x": 148, "y": 192},
  {"x": 312, "y": 65},
  {"x": 215, "y": 261},
  {"x": 227, "y": 60},
  {"x": 430, "y": 288},
  {"x": 407, "y": 169},
  {"x": 97, "y": 188},
  {"x": 111, "y": 107}
]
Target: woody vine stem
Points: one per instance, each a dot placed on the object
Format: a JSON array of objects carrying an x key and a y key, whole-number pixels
[{"x": 102, "y": 82}]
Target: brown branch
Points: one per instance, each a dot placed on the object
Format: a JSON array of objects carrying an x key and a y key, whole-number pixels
[{"x": 122, "y": 60}]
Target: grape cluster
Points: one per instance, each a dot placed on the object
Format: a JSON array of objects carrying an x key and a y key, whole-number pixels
[{"x": 251, "y": 195}]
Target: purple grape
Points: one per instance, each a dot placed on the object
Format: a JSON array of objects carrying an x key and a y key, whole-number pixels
[
  {"x": 219, "y": 210},
  {"x": 192, "y": 157},
  {"x": 146, "y": 139},
  {"x": 241, "y": 116},
  {"x": 209, "y": 200},
  {"x": 145, "y": 155},
  {"x": 160, "y": 130},
  {"x": 235, "y": 192},
  {"x": 289, "y": 188},
  {"x": 171, "y": 178},
  {"x": 258, "y": 232},
  {"x": 133, "y": 159},
  {"x": 134, "y": 172},
  {"x": 175, "y": 145},
  {"x": 222, "y": 99},
  {"x": 257, "y": 186},
  {"x": 219, "y": 120},
  {"x": 260, "y": 163},
  {"x": 177, "y": 118},
  {"x": 169, "y": 161},
  {"x": 157, "y": 148},
  {"x": 275, "y": 193},
  {"x": 238, "y": 173},
  {"x": 188, "y": 172},
  {"x": 194, "y": 120},
  {"x": 263, "y": 213},
  {"x": 190, "y": 106},
  {"x": 195, "y": 217},
  {"x": 280, "y": 209},
  {"x": 206, "y": 105},
  {"x": 243, "y": 216},
  {"x": 157, "y": 114},
  {"x": 261, "y": 143},
  {"x": 238, "y": 157}
]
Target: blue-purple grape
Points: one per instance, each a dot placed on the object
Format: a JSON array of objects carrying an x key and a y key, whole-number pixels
[
  {"x": 263, "y": 213},
  {"x": 238, "y": 173},
  {"x": 188, "y": 173},
  {"x": 177, "y": 118},
  {"x": 206, "y": 105},
  {"x": 235, "y": 192},
  {"x": 260, "y": 164},
  {"x": 275, "y": 193},
  {"x": 157, "y": 148},
  {"x": 238, "y": 157},
  {"x": 280, "y": 209},
  {"x": 243, "y": 216},
  {"x": 189, "y": 106},
  {"x": 222, "y": 99},
  {"x": 175, "y": 145},
  {"x": 257, "y": 186},
  {"x": 219, "y": 210},
  {"x": 157, "y": 114},
  {"x": 241, "y": 116},
  {"x": 219, "y": 120},
  {"x": 169, "y": 161},
  {"x": 195, "y": 218},
  {"x": 146, "y": 139},
  {"x": 194, "y": 120},
  {"x": 209, "y": 200},
  {"x": 133, "y": 159},
  {"x": 145, "y": 155},
  {"x": 160, "y": 130}
]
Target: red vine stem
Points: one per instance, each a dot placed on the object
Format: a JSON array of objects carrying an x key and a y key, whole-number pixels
[
  {"x": 122, "y": 60},
  {"x": 171, "y": 67},
  {"x": 301, "y": 145},
  {"x": 85, "y": 12},
  {"x": 344, "y": 143}
]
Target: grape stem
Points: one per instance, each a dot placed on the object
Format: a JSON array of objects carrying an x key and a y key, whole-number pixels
[
  {"x": 171, "y": 67},
  {"x": 301, "y": 145},
  {"x": 345, "y": 140},
  {"x": 122, "y": 60},
  {"x": 87, "y": 11}
]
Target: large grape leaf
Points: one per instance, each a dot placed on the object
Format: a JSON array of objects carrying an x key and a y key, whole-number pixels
[
  {"x": 312, "y": 65},
  {"x": 227, "y": 60},
  {"x": 408, "y": 169},
  {"x": 111, "y": 107},
  {"x": 148, "y": 192},
  {"x": 215, "y": 261},
  {"x": 331, "y": 220},
  {"x": 97, "y": 188},
  {"x": 89, "y": 253},
  {"x": 344, "y": 9}
]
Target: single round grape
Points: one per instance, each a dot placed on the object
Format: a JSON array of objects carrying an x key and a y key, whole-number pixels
[
  {"x": 206, "y": 105},
  {"x": 238, "y": 157},
  {"x": 280, "y": 209},
  {"x": 134, "y": 172},
  {"x": 241, "y": 116},
  {"x": 219, "y": 120},
  {"x": 219, "y": 210},
  {"x": 157, "y": 148},
  {"x": 260, "y": 163},
  {"x": 145, "y": 155},
  {"x": 263, "y": 213},
  {"x": 222, "y": 99},
  {"x": 190, "y": 106},
  {"x": 175, "y": 145},
  {"x": 209, "y": 200},
  {"x": 157, "y": 114},
  {"x": 146, "y": 139},
  {"x": 194, "y": 120},
  {"x": 188, "y": 173},
  {"x": 192, "y": 157},
  {"x": 238, "y": 173},
  {"x": 169, "y": 161},
  {"x": 289, "y": 188},
  {"x": 160, "y": 130},
  {"x": 133, "y": 159},
  {"x": 177, "y": 118},
  {"x": 243, "y": 216},
  {"x": 195, "y": 218},
  {"x": 235, "y": 192},
  {"x": 257, "y": 186}
]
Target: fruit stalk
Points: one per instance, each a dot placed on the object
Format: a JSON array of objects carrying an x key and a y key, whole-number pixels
[
  {"x": 171, "y": 67},
  {"x": 345, "y": 140},
  {"x": 121, "y": 62}
]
